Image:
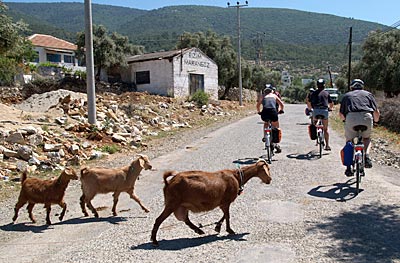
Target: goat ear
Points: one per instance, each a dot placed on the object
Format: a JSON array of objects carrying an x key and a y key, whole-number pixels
[
  {"x": 69, "y": 171},
  {"x": 141, "y": 162}
]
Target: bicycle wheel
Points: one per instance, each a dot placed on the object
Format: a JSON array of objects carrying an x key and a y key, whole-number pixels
[
  {"x": 268, "y": 148},
  {"x": 358, "y": 177},
  {"x": 320, "y": 141}
]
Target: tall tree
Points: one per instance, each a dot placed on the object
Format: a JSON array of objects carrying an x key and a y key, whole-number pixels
[
  {"x": 379, "y": 66},
  {"x": 14, "y": 48},
  {"x": 109, "y": 50}
]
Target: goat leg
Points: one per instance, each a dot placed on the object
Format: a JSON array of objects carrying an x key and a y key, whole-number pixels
[
  {"x": 64, "y": 207},
  {"x": 225, "y": 209},
  {"x": 17, "y": 208},
  {"x": 193, "y": 226},
  {"x": 115, "y": 196},
  {"x": 48, "y": 209},
  {"x": 134, "y": 197},
  {"x": 91, "y": 207},
  {"x": 82, "y": 202},
  {"x": 30, "y": 208},
  {"x": 166, "y": 213},
  {"x": 219, "y": 224}
]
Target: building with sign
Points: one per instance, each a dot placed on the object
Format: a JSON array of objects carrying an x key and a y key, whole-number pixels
[{"x": 176, "y": 73}]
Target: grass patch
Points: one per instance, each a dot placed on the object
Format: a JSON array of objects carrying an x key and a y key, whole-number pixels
[{"x": 110, "y": 148}]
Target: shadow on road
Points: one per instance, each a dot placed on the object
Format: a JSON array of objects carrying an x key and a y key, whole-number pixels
[
  {"x": 367, "y": 234},
  {"x": 246, "y": 161},
  {"x": 340, "y": 192},
  {"x": 182, "y": 243},
  {"x": 24, "y": 227},
  {"x": 312, "y": 155},
  {"x": 31, "y": 227}
]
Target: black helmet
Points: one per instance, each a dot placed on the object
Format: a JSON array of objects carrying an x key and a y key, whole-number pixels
[
  {"x": 357, "y": 84},
  {"x": 268, "y": 88},
  {"x": 320, "y": 83}
]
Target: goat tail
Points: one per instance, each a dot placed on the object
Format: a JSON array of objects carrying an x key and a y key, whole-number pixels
[
  {"x": 168, "y": 174},
  {"x": 24, "y": 176},
  {"x": 84, "y": 171}
]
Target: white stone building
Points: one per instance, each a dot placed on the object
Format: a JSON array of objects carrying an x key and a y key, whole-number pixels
[{"x": 176, "y": 73}]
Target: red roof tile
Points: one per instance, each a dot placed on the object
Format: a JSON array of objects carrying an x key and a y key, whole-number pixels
[{"x": 51, "y": 42}]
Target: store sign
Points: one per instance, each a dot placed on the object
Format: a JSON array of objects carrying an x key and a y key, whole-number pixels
[{"x": 194, "y": 56}]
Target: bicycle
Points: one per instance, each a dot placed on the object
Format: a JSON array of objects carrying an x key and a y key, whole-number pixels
[
  {"x": 320, "y": 133},
  {"x": 268, "y": 141},
  {"x": 359, "y": 156}
]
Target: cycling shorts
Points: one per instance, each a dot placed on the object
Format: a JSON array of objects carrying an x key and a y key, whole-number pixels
[
  {"x": 269, "y": 114},
  {"x": 323, "y": 112},
  {"x": 358, "y": 118}
]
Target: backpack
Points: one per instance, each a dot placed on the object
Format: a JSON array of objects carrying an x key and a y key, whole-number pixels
[
  {"x": 312, "y": 131},
  {"x": 276, "y": 135}
]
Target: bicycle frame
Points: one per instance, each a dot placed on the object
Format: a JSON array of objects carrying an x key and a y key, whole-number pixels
[
  {"x": 268, "y": 141},
  {"x": 358, "y": 162},
  {"x": 320, "y": 135}
]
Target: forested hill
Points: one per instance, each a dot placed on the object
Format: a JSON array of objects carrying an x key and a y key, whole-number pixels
[{"x": 284, "y": 34}]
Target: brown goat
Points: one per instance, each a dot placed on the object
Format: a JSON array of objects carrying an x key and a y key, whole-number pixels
[
  {"x": 200, "y": 191},
  {"x": 105, "y": 180},
  {"x": 45, "y": 192}
]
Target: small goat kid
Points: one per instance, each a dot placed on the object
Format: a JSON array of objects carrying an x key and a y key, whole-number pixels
[
  {"x": 47, "y": 192},
  {"x": 105, "y": 180},
  {"x": 200, "y": 191}
]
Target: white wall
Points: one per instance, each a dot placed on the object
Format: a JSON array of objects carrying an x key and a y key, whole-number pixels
[
  {"x": 195, "y": 62},
  {"x": 160, "y": 76}
]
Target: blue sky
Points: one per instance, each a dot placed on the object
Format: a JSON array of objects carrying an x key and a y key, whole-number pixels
[{"x": 386, "y": 12}]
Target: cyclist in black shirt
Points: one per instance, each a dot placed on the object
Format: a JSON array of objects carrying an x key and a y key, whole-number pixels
[
  {"x": 320, "y": 103},
  {"x": 358, "y": 107}
]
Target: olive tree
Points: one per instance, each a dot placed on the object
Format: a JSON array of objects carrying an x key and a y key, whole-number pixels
[{"x": 109, "y": 50}]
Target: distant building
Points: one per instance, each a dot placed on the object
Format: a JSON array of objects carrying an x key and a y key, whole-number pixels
[
  {"x": 286, "y": 79},
  {"x": 176, "y": 73},
  {"x": 54, "y": 50}
]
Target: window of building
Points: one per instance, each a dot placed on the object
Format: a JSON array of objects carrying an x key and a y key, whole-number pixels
[
  {"x": 68, "y": 59},
  {"x": 53, "y": 57},
  {"x": 196, "y": 82},
  {"x": 143, "y": 77}
]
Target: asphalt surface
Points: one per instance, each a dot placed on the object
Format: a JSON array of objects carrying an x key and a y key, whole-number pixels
[{"x": 309, "y": 212}]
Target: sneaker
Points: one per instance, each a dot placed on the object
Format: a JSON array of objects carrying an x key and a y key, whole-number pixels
[
  {"x": 368, "y": 162},
  {"x": 348, "y": 172},
  {"x": 327, "y": 148},
  {"x": 278, "y": 148}
]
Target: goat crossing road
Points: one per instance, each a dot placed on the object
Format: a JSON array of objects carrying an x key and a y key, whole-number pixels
[{"x": 308, "y": 213}]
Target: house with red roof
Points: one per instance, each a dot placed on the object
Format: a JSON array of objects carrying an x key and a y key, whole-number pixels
[{"x": 54, "y": 50}]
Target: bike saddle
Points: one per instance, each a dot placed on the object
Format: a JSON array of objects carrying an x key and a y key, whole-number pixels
[
  {"x": 360, "y": 128},
  {"x": 320, "y": 116}
]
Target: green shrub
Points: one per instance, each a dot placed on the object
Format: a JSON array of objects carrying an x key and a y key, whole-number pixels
[
  {"x": 200, "y": 97},
  {"x": 8, "y": 69},
  {"x": 110, "y": 148},
  {"x": 390, "y": 115}
]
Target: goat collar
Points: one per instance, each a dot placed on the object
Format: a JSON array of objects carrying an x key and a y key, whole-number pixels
[{"x": 241, "y": 179}]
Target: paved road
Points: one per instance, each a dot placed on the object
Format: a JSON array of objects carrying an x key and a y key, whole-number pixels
[{"x": 309, "y": 213}]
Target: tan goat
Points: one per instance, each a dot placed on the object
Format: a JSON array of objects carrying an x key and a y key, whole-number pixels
[
  {"x": 47, "y": 192},
  {"x": 100, "y": 180},
  {"x": 200, "y": 191}
]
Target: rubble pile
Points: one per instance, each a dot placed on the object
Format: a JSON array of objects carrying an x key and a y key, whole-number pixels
[{"x": 60, "y": 134}]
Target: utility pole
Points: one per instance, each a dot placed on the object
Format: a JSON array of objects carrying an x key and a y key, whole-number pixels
[
  {"x": 349, "y": 69},
  {"x": 90, "y": 87},
  {"x": 238, "y": 6}
]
